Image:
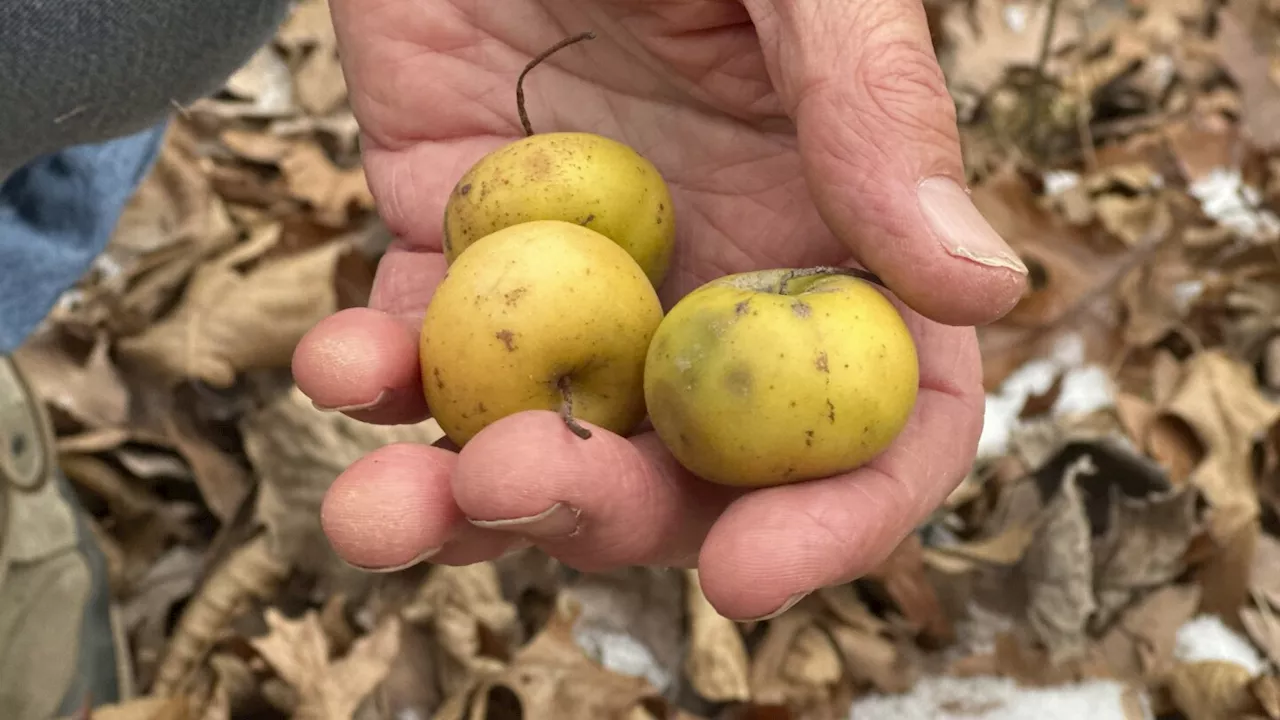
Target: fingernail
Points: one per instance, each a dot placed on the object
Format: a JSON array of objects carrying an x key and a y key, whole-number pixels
[
  {"x": 353, "y": 408},
  {"x": 519, "y": 546},
  {"x": 790, "y": 603},
  {"x": 426, "y": 555},
  {"x": 557, "y": 521},
  {"x": 960, "y": 228}
]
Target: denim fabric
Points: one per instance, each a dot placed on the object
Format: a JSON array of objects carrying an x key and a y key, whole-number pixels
[
  {"x": 86, "y": 87},
  {"x": 56, "y": 215}
]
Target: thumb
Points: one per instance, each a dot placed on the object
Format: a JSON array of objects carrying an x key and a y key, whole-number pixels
[{"x": 881, "y": 152}]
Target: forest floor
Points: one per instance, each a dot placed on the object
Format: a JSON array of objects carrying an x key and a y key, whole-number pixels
[{"x": 1126, "y": 497}]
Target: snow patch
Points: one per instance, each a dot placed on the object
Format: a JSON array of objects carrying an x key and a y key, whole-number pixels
[{"x": 1085, "y": 388}]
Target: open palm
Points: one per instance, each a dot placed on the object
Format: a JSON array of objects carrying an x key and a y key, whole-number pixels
[{"x": 792, "y": 133}]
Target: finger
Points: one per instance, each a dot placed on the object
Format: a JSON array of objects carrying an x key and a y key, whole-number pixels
[
  {"x": 775, "y": 545},
  {"x": 362, "y": 362},
  {"x": 411, "y": 183},
  {"x": 393, "y": 508},
  {"x": 594, "y": 504},
  {"x": 881, "y": 152}
]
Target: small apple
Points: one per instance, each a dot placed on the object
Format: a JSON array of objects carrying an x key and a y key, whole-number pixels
[
  {"x": 778, "y": 376},
  {"x": 577, "y": 177},
  {"x": 543, "y": 315}
]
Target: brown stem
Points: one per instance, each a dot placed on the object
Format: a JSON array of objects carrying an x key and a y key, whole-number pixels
[
  {"x": 828, "y": 270},
  {"x": 566, "y": 409},
  {"x": 524, "y": 116}
]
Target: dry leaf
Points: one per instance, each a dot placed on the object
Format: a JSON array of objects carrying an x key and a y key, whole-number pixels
[
  {"x": 224, "y": 483},
  {"x": 1140, "y": 645},
  {"x": 469, "y": 616},
  {"x": 1211, "y": 690},
  {"x": 1071, "y": 286},
  {"x": 1006, "y": 547},
  {"x": 992, "y": 38},
  {"x": 1058, "y": 571},
  {"x": 1219, "y": 399},
  {"x": 1144, "y": 547},
  {"x": 717, "y": 663},
  {"x": 551, "y": 677},
  {"x": 332, "y": 192},
  {"x": 251, "y": 571},
  {"x": 328, "y": 688},
  {"x": 89, "y": 390},
  {"x": 144, "y": 708},
  {"x": 874, "y": 660},
  {"x": 795, "y": 663},
  {"x": 261, "y": 88},
  {"x": 230, "y": 321},
  {"x": 1248, "y": 59}
]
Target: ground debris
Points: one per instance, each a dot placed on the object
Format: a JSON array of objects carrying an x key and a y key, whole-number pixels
[{"x": 1125, "y": 505}]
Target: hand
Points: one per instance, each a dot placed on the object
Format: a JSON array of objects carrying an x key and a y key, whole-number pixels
[{"x": 792, "y": 133}]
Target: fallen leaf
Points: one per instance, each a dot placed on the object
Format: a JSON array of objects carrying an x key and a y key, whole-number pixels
[
  {"x": 231, "y": 321},
  {"x": 1058, "y": 571},
  {"x": 1211, "y": 690},
  {"x": 1263, "y": 627},
  {"x": 144, "y": 708},
  {"x": 475, "y": 626},
  {"x": 1139, "y": 646},
  {"x": 874, "y": 660},
  {"x": 1248, "y": 61},
  {"x": 89, "y": 389},
  {"x": 1219, "y": 399},
  {"x": 146, "y": 611},
  {"x": 328, "y": 689},
  {"x": 795, "y": 664},
  {"x": 551, "y": 677},
  {"x": 903, "y": 580},
  {"x": 1144, "y": 547},
  {"x": 991, "y": 37},
  {"x": 261, "y": 88},
  {"x": 249, "y": 572},
  {"x": 1071, "y": 287},
  {"x": 716, "y": 663},
  {"x": 332, "y": 192}
]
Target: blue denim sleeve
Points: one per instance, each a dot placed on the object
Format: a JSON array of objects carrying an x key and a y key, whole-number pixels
[
  {"x": 86, "y": 87},
  {"x": 56, "y": 215}
]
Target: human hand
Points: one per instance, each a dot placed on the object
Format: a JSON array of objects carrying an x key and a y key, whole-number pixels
[{"x": 792, "y": 133}]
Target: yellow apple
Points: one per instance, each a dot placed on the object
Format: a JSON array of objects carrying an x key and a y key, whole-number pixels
[
  {"x": 577, "y": 177},
  {"x": 543, "y": 315},
  {"x": 778, "y": 376}
]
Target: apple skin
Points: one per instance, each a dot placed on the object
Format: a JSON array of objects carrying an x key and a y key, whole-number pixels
[
  {"x": 767, "y": 378},
  {"x": 577, "y": 177},
  {"x": 531, "y": 306}
]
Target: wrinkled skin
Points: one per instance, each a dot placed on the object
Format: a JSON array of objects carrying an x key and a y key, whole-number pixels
[{"x": 791, "y": 132}]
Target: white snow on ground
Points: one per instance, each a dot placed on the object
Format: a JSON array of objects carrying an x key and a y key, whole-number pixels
[
  {"x": 1208, "y": 638},
  {"x": 988, "y": 698},
  {"x": 1225, "y": 197},
  {"x": 995, "y": 699},
  {"x": 1084, "y": 388}
]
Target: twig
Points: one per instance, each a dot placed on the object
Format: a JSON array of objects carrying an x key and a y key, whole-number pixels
[{"x": 524, "y": 116}]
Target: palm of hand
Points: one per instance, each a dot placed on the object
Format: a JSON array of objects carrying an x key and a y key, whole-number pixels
[
  {"x": 689, "y": 90},
  {"x": 707, "y": 90}
]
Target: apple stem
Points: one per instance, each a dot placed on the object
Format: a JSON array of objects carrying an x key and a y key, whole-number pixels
[
  {"x": 524, "y": 115},
  {"x": 566, "y": 409},
  {"x": 828, "y": 270}
]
